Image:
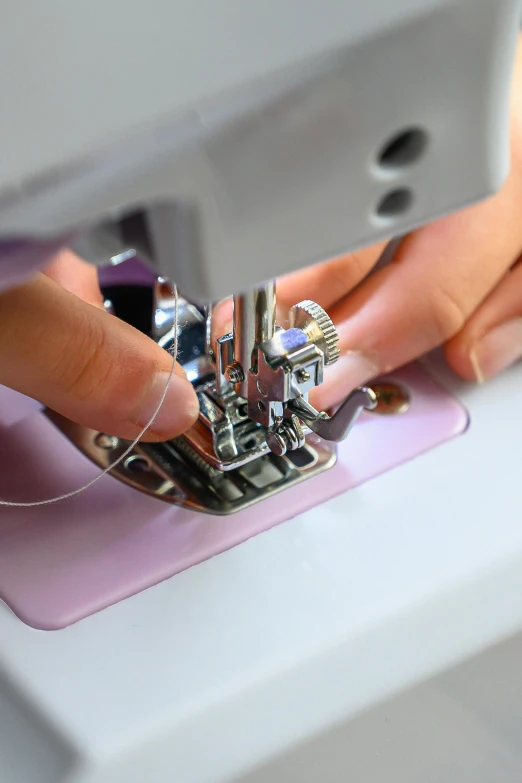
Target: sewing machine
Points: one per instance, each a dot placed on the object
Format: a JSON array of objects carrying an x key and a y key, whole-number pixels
[{"x": 282, "y": 593}]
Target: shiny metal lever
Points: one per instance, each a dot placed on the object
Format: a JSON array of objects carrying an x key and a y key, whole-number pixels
[{"x": 337, "y": 427}]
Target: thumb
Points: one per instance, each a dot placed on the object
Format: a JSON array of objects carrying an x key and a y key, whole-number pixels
[{"x": 89, "y": 366}]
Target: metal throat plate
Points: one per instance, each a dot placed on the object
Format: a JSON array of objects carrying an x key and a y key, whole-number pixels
[{"x": 175, "y": 473}]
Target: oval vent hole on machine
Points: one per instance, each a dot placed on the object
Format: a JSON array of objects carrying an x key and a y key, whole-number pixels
[
  {"x": 394, "y": 204},
  {"x": 403, "y": 149}
]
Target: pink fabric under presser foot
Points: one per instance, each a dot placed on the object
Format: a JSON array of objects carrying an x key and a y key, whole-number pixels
[{"x": 63, "y": 562}]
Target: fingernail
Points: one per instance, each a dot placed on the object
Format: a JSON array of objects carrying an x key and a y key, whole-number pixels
[
  {"x": 179, "y": 409},
  {"x": 352, "y": 369},
  {"x": 498, "y": 350}
]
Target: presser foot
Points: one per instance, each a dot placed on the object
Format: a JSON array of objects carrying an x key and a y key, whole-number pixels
[
  {"x": 226, "y": 462},
  {"x": 176, "y": 473},
  {"x": 256, "y": 434}
]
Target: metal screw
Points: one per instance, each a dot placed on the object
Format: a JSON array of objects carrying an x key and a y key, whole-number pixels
[
  {"x": 234, "y": 373},
  {"x": 137, "y": 464},
  {"x": 276, "y": 443},
  {"x": 104, "y": 441},
  {"x": 391, "y": 398},
  {"x": 288, "y": 437},
  {"x": 303, "y": 376}
]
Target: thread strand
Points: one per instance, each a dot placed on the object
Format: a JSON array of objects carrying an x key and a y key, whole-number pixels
[{"x": 66, "y": 495}]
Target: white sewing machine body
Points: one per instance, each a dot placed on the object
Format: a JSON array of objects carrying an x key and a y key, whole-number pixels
[
  {"x": 219, "y": 128},
  {"x": 320, "y": 647}
]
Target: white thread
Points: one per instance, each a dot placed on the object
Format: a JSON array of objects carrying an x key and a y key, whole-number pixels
[{"x": 174, "y": 353}]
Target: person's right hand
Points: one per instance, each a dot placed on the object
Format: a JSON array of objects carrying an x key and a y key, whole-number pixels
[{"x": 59, "y": 346}]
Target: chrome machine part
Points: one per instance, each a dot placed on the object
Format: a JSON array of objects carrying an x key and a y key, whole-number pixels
[
  {"x": 318, "y": 327},
  {"x": 256, "y": 433},
  {"x": 337, "y": 427},
  {"x": 175, "y": 473},
  {"x": 274, "y": 369},
  {"x": 163, "y": 310},
  {"x": 254, "y": 323}
]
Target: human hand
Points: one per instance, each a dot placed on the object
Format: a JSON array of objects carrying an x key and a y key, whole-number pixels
[
  {"x": 456, "y": 283},
  {"x": 58, "y": 345}
]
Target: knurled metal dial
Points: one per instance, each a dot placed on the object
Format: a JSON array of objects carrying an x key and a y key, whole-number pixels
[{"x": 318, "y": 327}]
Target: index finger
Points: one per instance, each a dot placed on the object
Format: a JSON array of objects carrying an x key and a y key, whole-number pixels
[{"x": 330, "y": 281}]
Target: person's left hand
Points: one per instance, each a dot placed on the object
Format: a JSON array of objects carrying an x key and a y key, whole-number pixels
[{"x": 58, "y": 345}]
